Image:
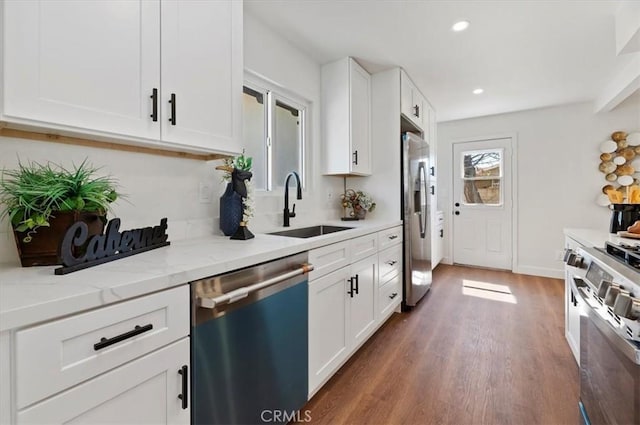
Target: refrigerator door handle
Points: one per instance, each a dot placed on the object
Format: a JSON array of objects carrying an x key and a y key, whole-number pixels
[{"x": 422, "y": 176}]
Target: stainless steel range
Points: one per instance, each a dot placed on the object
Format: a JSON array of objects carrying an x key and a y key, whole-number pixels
[{"x": 607, "y": 283}]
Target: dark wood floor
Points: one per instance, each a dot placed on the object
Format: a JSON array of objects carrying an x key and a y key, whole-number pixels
[{"x": 460, "y": 359}]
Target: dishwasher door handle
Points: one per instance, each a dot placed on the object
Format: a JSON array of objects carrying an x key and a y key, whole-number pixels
[{"x": 240, "y": 293}]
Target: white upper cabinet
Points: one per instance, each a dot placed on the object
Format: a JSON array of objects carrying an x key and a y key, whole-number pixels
[
  {"x": 87, "y": 66},
  {"x": 201, "y": 56},
  {"x": 346, "y": 118},
  {"x": 109, "y": 69},
  {"x": 413, "y": 105}
]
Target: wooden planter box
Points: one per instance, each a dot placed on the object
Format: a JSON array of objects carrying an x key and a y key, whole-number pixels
[{"x": 44, "y": 248}]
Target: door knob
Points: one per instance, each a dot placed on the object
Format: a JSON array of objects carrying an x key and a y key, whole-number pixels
[{"x": 457, "y": 204}]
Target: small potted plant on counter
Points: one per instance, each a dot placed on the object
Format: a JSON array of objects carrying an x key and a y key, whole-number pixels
[
  {"x": 360, "y": 202},
  {"x": 41, "y": 201}
]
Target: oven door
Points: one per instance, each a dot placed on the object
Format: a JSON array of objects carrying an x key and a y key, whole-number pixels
[{"x": 609, "y": 370}]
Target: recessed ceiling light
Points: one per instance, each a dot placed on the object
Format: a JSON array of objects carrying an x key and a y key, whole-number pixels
[
  {"x": 478, "y": 91},
  {"x": 460, "y": 26}
]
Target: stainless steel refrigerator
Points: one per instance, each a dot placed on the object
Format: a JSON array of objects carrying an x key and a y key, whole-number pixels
[{"x": 416, "y": 215}]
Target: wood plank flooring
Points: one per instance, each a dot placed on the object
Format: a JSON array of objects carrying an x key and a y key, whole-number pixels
[{"x": 461, "y": 359}]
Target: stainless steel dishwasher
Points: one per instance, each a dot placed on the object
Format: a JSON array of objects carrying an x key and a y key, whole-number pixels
[{"x": 249, "y": 344}]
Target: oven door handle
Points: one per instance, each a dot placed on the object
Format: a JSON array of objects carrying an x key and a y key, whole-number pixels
[
  {"x": 240, "y": 293},
  {"x": 617, "y": 341}
]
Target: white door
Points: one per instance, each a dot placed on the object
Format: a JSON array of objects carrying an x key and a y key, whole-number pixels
[
  {"x": 362, "y": 313},
  {"x": 360, "y": 118},
  {"x": 328, "y": 339},
  {"x": 202, "y": 74},
  {"x": 482, "y": 204},
  {"x": 84, "y": 65}
]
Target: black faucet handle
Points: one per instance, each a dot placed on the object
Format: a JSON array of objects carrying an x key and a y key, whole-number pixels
[{"x": 293, "y": 211}]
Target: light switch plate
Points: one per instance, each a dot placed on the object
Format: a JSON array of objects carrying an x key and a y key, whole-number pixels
[{"x": 204, "y": 193}]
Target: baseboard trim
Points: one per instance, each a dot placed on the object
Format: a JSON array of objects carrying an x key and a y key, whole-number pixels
[{"x": 539, "y": 271}]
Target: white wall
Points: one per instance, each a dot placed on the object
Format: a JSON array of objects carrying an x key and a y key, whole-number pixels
[
  {"x": 557, "y": 172},
  {"x": 168, "y": 187}
]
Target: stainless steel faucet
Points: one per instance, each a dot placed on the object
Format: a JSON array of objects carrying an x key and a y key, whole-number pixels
[{"x": 287, "y": 214}]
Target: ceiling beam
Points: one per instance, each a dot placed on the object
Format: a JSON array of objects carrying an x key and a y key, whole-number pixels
[{"x": 625, "y": 82}]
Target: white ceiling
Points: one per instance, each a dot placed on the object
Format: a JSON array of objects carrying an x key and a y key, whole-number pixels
[{"x": 524, "y": 54}]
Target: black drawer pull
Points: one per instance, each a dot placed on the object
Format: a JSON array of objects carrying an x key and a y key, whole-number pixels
[
  {"x": 355, "y": 157},
  {"x": 391, "y": 263},
  {"x": 433, "y": 190},
  {"x": 172, "y": 118},
  {"x": 357, "y": 285},
  {"x": 105, "y": 342},
  {"x": 392, "y": 237},
  {"x": 154, "y": 99},
  {"x": 441, "y": 233},
  {"x": 392, "y": 296},
  {"x": 433, "y": 171},
  {"x": 184, "y": 396}
]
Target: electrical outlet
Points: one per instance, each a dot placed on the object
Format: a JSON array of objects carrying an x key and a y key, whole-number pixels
[
  {"x": 204, "y": 193},
  {"x": 330, "y": 198}
]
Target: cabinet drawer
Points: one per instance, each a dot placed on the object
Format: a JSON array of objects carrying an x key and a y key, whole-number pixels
[
  {"x": 57, "y": 355},
  {"x": 389, "y": 237},
  {"x": 390, "y": 296},
  {"x": 142, "y": 391},
  {"x": 389, "y": 263},
  {"x": 328, "y": 258},
  {"x": 363, "y": 247}
]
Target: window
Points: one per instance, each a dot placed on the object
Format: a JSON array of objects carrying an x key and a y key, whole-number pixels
[
  {"x": 274, "y": 135},
  {"x": 482, "y": 176}
]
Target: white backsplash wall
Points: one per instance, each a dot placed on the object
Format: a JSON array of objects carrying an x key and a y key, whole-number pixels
[
  {"x": 557, "y": 168},
  {"x": 155, "y": 186}
]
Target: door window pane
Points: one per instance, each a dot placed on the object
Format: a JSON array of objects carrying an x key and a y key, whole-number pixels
[
  {"x": 482, "y": 177},
  {"x": 255, "y": 134}
]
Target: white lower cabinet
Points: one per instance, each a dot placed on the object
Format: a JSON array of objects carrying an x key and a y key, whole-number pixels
[
  {"x": 125, "y": 363},
  {"x": 344, "y": 307},
  {"x": 146, "y": 390},
  {"x": 328, "y": 334},
  {"x": 361, "y": 298}
]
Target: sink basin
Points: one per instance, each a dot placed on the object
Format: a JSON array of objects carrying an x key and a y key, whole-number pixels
[{"x": 309, "y": 232}]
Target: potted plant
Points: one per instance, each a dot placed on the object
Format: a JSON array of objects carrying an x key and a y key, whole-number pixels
[
  {"x": 41, "y": 201},
  {"x": 236, "y": 204},
  {"x": 360, "y": 202}
]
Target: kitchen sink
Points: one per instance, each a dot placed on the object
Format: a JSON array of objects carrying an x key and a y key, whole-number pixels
[{"x": 309, "y": 232}]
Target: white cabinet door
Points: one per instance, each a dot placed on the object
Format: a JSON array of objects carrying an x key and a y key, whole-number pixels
[
  {"x": 360, "y": 119},
  {"x": 87, "y": 66},
  {"x": 362, "y": 312},
  {"x": 145, "y": 391},
  {"x": 202, "y": 74},
  {"x": 328, "y": 337},
  {"x": 346, "y": 118}
]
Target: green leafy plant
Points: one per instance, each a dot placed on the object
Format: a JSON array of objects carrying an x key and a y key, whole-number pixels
[{"x": 34, "y": 192}]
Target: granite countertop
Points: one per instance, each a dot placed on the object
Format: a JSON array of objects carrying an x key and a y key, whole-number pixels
[
  {"x": 34, "y": 294},
  {"x": 597, "y": 238}
]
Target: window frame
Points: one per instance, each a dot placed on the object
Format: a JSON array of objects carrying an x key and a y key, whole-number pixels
[
  {"x": 275, "y": 93},
  {"x": 499, "y": 177}
]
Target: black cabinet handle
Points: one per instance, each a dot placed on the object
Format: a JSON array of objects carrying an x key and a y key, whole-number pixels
[
  {"x": 172, "y": 101},
  {"x": 441, "y": 233},
  {"x": 416, "y": 111},
  {"x": 184, "y": 371},
  {"x": 433, "y": 190},
  {"x": 105, "y": 342},
  {"x": 350, "y": 291},
  {"x": 154, "y": 99},
  {"x": 433, "y": 170},
  {"x": 392, "y": 237},
  {"x": 357, "y": 285},
  {"x": 392, "y": 296},
  {"x": 355, "y": 157}
]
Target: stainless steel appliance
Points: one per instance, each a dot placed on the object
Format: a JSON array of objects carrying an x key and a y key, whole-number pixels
[
  {"x": 249, "y": 344},
  {"x": 609, "y": 290},
  {"x": 416, "y": 215}
]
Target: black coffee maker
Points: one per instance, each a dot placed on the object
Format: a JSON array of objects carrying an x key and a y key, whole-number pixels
[{"x": 623, "y": 216}]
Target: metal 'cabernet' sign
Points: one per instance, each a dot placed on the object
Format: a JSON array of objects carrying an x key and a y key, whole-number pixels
[{"x": 110, "y": 246}]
